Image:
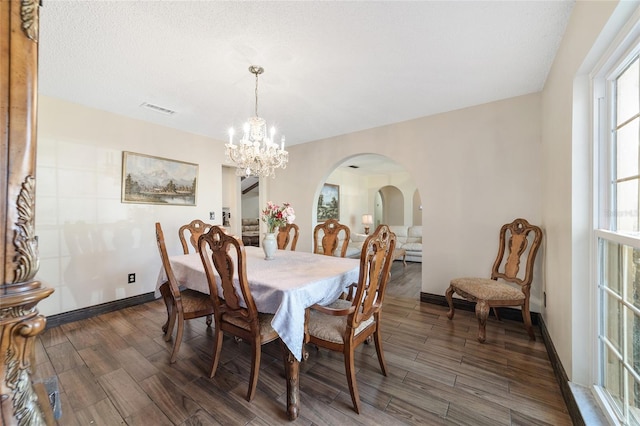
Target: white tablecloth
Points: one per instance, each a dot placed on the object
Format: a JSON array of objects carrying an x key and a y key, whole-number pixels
[{"x": 284, "y": 286}]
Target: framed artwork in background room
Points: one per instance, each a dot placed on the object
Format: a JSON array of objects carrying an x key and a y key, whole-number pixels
[{"x": 329, "y": 202}]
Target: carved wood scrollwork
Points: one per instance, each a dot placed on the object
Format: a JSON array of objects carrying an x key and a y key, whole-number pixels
[
  {"x": 30, "y": 19},
  {"x": 24, "y": 399},
  {"x": 293, "y": 389},
  {"x": 24, "y": 240}
]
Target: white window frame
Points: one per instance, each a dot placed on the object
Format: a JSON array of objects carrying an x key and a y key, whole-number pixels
[{"x": 622, "y": 52}]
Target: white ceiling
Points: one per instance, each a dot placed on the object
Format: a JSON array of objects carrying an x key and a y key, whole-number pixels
[{"x": 330, "y": 67}]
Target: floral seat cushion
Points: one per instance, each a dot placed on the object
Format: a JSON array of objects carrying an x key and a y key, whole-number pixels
[
  {"x": 486, "y": 289},
  {"x": 332, "y": 328}
]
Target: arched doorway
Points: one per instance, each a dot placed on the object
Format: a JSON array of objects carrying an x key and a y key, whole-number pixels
[
  {"x": 371, "y": 184},
  {"x": 417, "y": 208},
  {"x": 391, "y": 210}
]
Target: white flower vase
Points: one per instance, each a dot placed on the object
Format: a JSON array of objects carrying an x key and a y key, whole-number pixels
[{"x": 269, "y": 245}]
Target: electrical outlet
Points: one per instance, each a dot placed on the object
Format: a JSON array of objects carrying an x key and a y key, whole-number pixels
[
  {"x": 212, "y": 215},
  {"x": 131, "y": 278}
]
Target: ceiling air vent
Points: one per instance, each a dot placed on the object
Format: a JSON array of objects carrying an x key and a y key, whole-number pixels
[{"x": 157, "y": 108}]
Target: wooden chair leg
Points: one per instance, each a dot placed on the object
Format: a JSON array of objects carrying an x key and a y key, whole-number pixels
[
  {"x": 171, "y": 321},
  {"x": 482, "y": 313},
  {"x": 377, "y": 337},
  {"x": 496, "y": 313},
  {"x": 217, "y": 348},
  {"x": 449, "y": 296},
  {"x": 256, "y": 350},
  {"x": 178, "y": 340},
  {"x": 350, "y": 370},
  {"x": 526, "y": 317},
  {"x": 166, "y": 297}
]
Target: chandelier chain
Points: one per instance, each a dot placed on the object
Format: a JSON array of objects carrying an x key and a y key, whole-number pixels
[{"x": 257, "y": 94}]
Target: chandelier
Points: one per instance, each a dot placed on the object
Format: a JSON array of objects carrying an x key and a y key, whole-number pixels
[{"x": 256, "y": 153}]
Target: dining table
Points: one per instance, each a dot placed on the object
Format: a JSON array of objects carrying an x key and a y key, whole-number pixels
[{"x": 284, "y": 286}]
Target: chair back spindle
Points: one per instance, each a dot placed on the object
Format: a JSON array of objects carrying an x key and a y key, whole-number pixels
[
  {"x": 331, "y": 230},
  {"x": 514, "y": 241},
  {"x": 284, "y": 236},
  {"x": 195, "y": 228}
]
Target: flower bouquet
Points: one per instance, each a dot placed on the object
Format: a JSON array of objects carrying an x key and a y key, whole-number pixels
[{"x": 276, "y": 216}]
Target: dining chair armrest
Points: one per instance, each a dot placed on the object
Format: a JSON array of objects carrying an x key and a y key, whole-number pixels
[
  {"x": 352, "y": 291},
  {"x": 333, "y": 312}
]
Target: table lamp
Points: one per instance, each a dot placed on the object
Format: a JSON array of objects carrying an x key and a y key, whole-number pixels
[{"x": 367, "y": 221}]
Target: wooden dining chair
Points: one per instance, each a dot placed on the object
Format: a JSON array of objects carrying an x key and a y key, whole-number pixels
[
  {"x": 345, "y": 324},
  {"x": 182, "y": 304},
  {"x": 194, "y": 229},
  {"x": 490, "y": 293},
  {"x": 235, "y": 310},
  {"x": 284, "y": 236},
  {"x": 328, "y": 235}
]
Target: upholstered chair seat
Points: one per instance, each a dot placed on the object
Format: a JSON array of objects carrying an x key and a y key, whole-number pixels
[
  {"x": 194, "y": 301},
  {"x": 484, "y": 288},
  {"x": 331, "y": 328},
  {"x": 264, "y": 320}
]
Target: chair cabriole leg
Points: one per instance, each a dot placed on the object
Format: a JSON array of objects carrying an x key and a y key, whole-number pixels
[
  {"x": 482, "y": 313},
  {"x": 526, "y": 317},
  {"x": 449, "y": 296},
  {"x": 217, "y": 348},
  {"x": 377, "y": 337},
  {"x": 171, "y": 322},
  {"x": 350, "y": 370},
  {"x": 178, "y": 341},
  {"x": 256, "y": 349}
]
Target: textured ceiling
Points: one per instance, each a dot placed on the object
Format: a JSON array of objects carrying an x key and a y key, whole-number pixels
[{"x": 330, "y": 67}]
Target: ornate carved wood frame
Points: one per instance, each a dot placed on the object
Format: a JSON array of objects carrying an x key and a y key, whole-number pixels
[{"x": 20, "y": 321}]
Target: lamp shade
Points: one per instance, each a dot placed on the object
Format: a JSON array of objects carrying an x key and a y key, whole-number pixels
[{"x": 367, "y": 219}]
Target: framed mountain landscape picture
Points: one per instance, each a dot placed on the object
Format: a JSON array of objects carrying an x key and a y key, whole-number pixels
[{"x": 154, "y": 180}]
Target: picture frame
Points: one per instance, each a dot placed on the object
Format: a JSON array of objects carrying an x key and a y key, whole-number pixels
[
  {"x": 329, "y": 202},
  {"x": 147, "y": 179}
]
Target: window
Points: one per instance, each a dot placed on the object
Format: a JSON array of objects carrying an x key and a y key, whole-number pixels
[{"x": 618, "y": 246}]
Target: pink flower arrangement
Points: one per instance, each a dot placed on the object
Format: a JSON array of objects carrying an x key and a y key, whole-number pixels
[{"x": 276, "y": 216}]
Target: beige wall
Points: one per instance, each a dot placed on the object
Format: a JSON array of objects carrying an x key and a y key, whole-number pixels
[
  {"x": 89, "y": 241},
  {"x": 475, "y": 169},
  {"x": 567, "y": 207}
]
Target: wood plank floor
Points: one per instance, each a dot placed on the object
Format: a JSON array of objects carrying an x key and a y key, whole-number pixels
[{"x": 114, "y": 369}]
